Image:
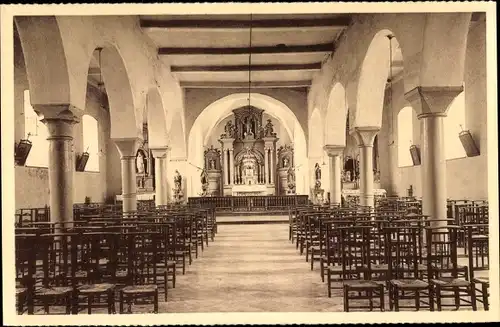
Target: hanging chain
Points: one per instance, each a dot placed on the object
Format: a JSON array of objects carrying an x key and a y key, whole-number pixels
[
  {"x": 250, "y": 63},
  {"x": 391, "y": 109}
]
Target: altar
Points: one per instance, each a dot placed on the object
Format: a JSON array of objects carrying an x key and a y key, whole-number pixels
[{"x": 244, "y": 190}]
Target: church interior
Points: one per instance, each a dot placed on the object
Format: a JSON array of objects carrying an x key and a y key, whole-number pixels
[{"x": 251, "y": 162}]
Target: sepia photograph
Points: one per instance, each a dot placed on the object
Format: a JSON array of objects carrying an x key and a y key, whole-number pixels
[{"x": 249, "y": 163}]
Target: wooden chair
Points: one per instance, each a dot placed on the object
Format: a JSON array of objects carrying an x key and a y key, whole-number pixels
[
  {"x": 142, "y": 265},
  {"x": 58, "y": 282},
  {"x": 25, "y": 251},
  {"x": 100, "y": 258},
  {"x": 443, "y": 269},
  {"x": 406, "y": 283},
  {"x": 355, "y": 248}
]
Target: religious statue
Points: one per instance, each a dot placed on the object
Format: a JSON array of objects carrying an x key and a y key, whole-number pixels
[
  {"x": 212, "y": 164},
  {"x": 204, "y": 182},
  {"x": 317, "y": 175},
  {"x": 229, "y": 130},
  {"x": 290, "y": 180},
  {"x": 269, "y": 129},
  {"x": 178, "y": 194},
  {"x": 248, "y": 130},
  {"x": 139, "y": 163},
  {"x": 261, "y": 132},
  {"x": 285, "y": 162},
  {"x": 177, "y": 180}
]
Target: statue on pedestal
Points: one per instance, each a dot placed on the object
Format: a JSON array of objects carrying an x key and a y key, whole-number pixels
[
  {"x": 178, "y": 194},
  {"x": 204, "y": 182},
  {"x": 229, "y": 130},
  {"x": 139, "y": 163},
  {"x": 290, "y": 180},
  {"x": 317, "y": 175},
  {"x": 269, "y": 129}
]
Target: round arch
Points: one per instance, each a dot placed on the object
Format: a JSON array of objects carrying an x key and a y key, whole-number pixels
[
  {"x": 374, "y": 72},
  {"x": 156, "y": 118},
  {"x": 123, "y": 118},
  {"x": 336, "y": 115},
  {"x": 53, "y": 74},
  {"x": 214, "y": 113}
]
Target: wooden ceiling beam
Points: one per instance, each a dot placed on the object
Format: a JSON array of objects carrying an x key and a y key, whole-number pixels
[
  {"x": 243, "y": 85},
  {"x": 278, "y": 49},
  {"x": 339, "y": 22},
  {"x": 244, "y": 68}
]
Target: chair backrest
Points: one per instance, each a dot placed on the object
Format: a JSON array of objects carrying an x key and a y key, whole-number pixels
[
  {"x": 403, "y": 250},
  {"x": 354, "y": 248},
  {"x": 442, "y": 250}
]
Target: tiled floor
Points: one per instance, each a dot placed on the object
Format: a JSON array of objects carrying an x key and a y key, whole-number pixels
[{"x": 251, "y": 268}]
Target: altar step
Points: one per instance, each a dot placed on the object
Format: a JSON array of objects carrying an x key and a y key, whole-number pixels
[{"x": 251, "y": 219}]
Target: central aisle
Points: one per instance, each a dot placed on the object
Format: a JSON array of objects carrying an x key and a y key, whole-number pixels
[{"x": 250, "y": 268}]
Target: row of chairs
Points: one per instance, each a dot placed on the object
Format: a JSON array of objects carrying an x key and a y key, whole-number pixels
[
  {"x": 388, "y": 246},
  {"x": 91, "y": 262}
]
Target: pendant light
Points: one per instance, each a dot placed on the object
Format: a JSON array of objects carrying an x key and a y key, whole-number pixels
[{"x": 389, "y": 80}]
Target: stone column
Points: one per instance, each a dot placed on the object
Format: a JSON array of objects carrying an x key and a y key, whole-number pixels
[
  {"x": 160, "y": 155},
  {"x": 266, "y": 166},
  {"x": 271, "y": 175},
  {"x": 60, "y": 121},
  {"x": 226, "y": 166},
  {"x": 231, "y": 166},
  {"x": 392, "y": 169},
  {"x": 364, "y": 138},
  {"x": 128, "y": 149},
  {"x": 431, "y": 105},
  {"x": 334, "y": 152}
]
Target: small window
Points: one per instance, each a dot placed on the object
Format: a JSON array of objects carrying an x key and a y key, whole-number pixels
[
  {"x": 91, "y": 142},
  {"x": 454, "y": 122},
  {"x": 405, "y": 136},
  {"x": 37, "y": 133}
]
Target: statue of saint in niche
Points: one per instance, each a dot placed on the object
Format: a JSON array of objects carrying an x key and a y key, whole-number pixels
[
  {"x": 212, "y": 164},
  {"x": 285, "y": 162},
  {"x": 140, "y": 163}
]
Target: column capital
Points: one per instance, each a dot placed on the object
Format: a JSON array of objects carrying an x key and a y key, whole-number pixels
[
  {"x": 160, "y": 152},
  {"x": 333, "y": 150},
  {"x": 127, "y": 146},
  {"x": 59, "y": 119},
  {"x": 66, "y": 112},
  {"x": 365, "y": 135},
  {"x": 432, "y": 101}
]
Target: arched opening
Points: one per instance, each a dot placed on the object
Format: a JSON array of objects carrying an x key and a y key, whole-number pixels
[
  {"x": 383, "y": 60},
  {"x": 335, "y": 116},
  {"x": 316, "y": 152},
  {"x": 91, "y": 142},
  {"x": 205, "y": 125},
  {"x": 405, "y": 136},
  {"x": 454, "y": 123},
  {"x": 113, "y": 80},
  {"x": 156, "y": 120},
  {"x": 37, "y": 133}
]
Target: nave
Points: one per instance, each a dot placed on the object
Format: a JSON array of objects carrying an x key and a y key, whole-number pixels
[{"x": 251, "y": 268}]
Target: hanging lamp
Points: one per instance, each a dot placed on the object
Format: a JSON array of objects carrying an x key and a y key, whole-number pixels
[{"x": 389, "y": 80}]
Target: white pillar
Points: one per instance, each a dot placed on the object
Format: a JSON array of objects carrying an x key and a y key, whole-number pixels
[
  {"x": 160, "y": 155},
  {"x": 231, "y": 167},
  {"x": 271, "y": 153},
  {"x": 60, "y": 121},
  {"x": 128, "y": 149},
  {"x": 364, "y": 138},
  {"x": 334, "y": 152},
  {"x": 431, "y": 105},
  {"x": 226, "y": 166},
  {"x": 266, "y": 166}
]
